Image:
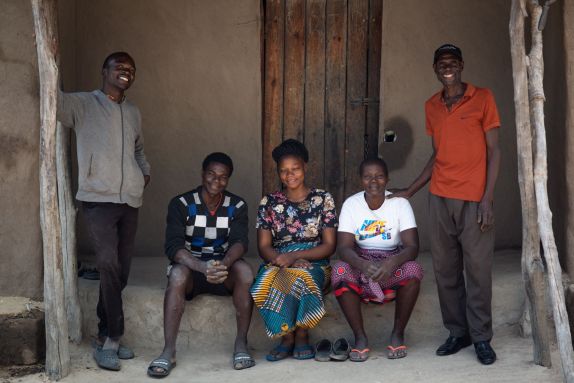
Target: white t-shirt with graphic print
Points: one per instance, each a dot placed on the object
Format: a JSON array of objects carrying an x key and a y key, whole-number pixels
[{"x": 376, "y": 229}]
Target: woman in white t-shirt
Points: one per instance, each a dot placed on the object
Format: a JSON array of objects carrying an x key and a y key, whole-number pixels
[{"x": 378, "y": 242}]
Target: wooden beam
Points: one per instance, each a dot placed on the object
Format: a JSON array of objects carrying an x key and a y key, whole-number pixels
[
  {"x": 67, "y": 210},
  {"x": 336, "y": 88},
  {"x": 314, "y": 132},
  {"x": 374, "y": 75},
  {"x": 536, "y": 96},
  {"x": 532, "y": 265},
  {"x": 57, "y": 353},
  {"x": 355, "y": 118},
  {"x": 273, "y": 89},
  {"x": 294, "y": 70},
  {"x": 567, "y": 17}
]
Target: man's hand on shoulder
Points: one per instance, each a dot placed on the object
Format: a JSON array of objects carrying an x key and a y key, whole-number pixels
[{"x": 404, "y": 193}]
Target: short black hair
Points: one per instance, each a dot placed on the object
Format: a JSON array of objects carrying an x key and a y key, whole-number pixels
[
  {"x": 374, "y": 161},
  {"x": 290, "y": 147},
  {"x": 220, "y": 158},
  {"x": 115, "y": 56}
]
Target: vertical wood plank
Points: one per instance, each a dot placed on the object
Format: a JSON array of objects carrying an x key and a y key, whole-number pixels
[
  {"x": 336, "y": 68},
  {"x": 536, "y": 97},
  {"x": 358, "y": 14},
  {"x": 294, "y": 69},
  {"x": 273, "y": 88},
  {"x": 57, "y": 351},
  {"x": 533, "y": 270},
  {"x": 568, "y": 49},
  {"x": 67, "y": 212},
  {"x": 374, "y": 75},
  {"x": 314, "y": 123}
]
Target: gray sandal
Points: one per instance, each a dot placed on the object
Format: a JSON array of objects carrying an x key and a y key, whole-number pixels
[
  {"x": 242, "y": 360},
  {"x": 164, "y": 364},
  {"x": 124, "y": 352},
  {"x": 341, "y": 350},
  {"x": 107, "y": 359}
]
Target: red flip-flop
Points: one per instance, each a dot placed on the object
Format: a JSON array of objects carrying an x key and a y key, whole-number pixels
[
  {"x": 395, "y": 352},
  {"x": 357, "y": 355}
]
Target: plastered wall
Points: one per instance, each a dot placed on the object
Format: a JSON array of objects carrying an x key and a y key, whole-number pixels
[
  {"x": 412, "y": 30},
  {"x": 197, "y": 86},
  {"x": 199, "y": 89},
  {"x": 20, "y": 245}
]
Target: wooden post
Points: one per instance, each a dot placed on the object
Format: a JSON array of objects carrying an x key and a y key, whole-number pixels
[
  {"x": 536, "y": 95},
  {"x": 568, "y": 14},
  {"x": 68, "y": 222},
  {"x": 567, "y": 17},
  {"x": 57, "y": 353},
  {"x": 532, "y": 265}
]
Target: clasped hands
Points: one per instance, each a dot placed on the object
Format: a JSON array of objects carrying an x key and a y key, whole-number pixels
[
  {"x": 378, "y": 271},
  {"x": 215, "y": 272},
  {"x": 289, "y": 260}
]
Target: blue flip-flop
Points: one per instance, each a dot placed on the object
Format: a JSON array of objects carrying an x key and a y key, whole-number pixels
[
  {"x": 279, "y": 352},
  {"x": 299, "y": 349}
]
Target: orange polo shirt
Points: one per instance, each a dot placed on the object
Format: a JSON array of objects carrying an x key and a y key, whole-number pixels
[{"x": 459, "y": 170}]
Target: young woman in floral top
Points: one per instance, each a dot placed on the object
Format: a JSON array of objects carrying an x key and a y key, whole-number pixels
[{"x": 296, "y": 236}]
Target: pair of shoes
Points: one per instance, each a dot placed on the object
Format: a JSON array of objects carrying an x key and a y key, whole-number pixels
[
  {"x": 396, "y": 352},
  {"x": 484, "y": 352},
  {"x": 242, "y": 360},
  {"x": 303, "y": 352},
  {"x": 165, "y": 366},
  {"x": 107, "y": 359},
  {"x": 453, "y": 345},
  {"x": 357, "y": 355},
  {"x": 279, "y": 352},
  {"x": 124, "y": 352},
  {"x": 326, "y": 351}
]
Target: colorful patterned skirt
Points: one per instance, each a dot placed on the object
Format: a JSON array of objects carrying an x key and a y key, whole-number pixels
[
  {"x": 288, "y": 298},
  {"x": 347, "y": 278}
]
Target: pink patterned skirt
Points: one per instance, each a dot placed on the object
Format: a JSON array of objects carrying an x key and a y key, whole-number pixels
[{"x": 345, "y": 278}]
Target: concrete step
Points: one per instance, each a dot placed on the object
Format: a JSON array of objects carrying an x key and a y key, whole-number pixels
[{"x": 209, "y": 321}]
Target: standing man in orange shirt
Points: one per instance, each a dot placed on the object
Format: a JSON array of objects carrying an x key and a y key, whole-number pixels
[{"x": 463, "y": 122}]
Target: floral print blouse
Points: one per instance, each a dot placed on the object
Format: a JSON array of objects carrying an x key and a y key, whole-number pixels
[{"x": 296, "y": 222}]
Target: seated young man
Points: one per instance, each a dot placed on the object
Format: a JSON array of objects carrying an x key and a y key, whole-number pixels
[{"x": 206, "y": 237}]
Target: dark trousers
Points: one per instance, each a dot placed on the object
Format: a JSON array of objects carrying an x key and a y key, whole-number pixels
[
  {"x": 458, "y": 245},
  {"x": 112, "y": 229}
]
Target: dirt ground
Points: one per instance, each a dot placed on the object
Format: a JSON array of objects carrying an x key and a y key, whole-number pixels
[{"x": 421, "y": 365}]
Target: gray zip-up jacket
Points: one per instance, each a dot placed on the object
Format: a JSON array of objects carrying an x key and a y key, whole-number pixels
[{"x": 111, "y": 159}]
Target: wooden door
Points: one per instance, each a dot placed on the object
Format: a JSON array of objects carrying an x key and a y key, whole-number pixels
[{"x": 321, "y": 75}]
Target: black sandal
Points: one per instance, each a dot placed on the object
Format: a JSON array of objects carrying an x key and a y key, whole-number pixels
[
  {"x": 162, "y": 363},
  {"x": 242, "y": 360}
]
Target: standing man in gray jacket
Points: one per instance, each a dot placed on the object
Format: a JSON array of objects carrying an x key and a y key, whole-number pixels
[{"x": 112, "y": 173}]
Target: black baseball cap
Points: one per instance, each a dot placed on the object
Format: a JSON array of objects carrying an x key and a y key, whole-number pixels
[{"x": 447, "y": 49}]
